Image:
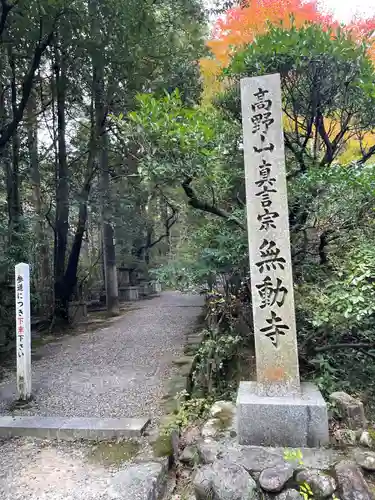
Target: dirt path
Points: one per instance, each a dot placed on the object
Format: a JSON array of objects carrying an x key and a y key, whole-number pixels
[{"x": 117, "y": 371}]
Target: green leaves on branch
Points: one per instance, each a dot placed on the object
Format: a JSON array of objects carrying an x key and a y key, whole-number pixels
[{"x": 176, "y": 140}]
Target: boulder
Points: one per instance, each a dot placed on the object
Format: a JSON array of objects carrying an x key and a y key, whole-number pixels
[
  {"x": 289, "y": 494},
  {"x": 253, "y": 458},
  {"x": 202, "y": 483},
  {"x": 211, "y": 428},
  {"x": 345, "y": 436},
  {"x": 190, "y": 436},
  {"x": 224, "y": 481},
  {"x": 208, "y": 450},
  {"x": 366, "y": 459},
  {"x": 223, "y": 410},
  {"x": 321, "y": 484},
  {"x": 189, "y": 455},
  {"x": 146, "y": 480},
  {"x": 352, "y": 485},
  {"x": 366, "y": 439},
  {"x": 275, "y": 478},
  {"x": 351, "y": 410}
]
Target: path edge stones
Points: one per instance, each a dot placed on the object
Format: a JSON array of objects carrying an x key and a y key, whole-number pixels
[{"x": 61, "y": 428}]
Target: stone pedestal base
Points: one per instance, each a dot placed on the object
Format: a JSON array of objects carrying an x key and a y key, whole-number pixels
[
  {"x": 144, "y": 289},
  {"x": 129, "y": 293},
  {"x": 293, "y": 421},
  {"x": 77, "y": 311}
]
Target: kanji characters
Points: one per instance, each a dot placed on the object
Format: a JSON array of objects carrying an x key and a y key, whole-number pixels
[
  {"x": 275, "y": 327},
  {"x": 271, "y": 292},
  {"x": 271, "y": 259}
]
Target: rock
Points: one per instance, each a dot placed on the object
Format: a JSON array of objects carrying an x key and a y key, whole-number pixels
[
  {"x": 202, "y": 483},
  {"x": 139, "y": 482},
  {"x": 211, "y": 428},
  {"x": 366, "y": 459},
  {"x": 366, "y": 439},
  {"x": 223, "y": 409},
  {"x": 345, "y": 436},
  {"x": 208, "y": 450},
  {"x": 352, "y": 485},
  {"x": 190, "y": 436},
  {"x": 224, "y": 481},
  {"x": 289, "y": 494},
  {"x": 232, "y": 482},
  {"x": 351, "y": 410},
  {"x": 189, "y": 455},
  {"x": 321, "y": 458},
  {"x": 184, "y": 360},
  {"x": 275, "y": 478},
  {"x": 254, "y": 459},
  {"x": 321, "y": 484},
  {"x": 176, "y": 385}
]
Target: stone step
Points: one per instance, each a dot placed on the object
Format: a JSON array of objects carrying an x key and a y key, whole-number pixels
[{"x": 64, "y": 428}]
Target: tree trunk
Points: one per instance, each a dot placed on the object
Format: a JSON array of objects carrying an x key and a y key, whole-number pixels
[
  {"x": 68, "y": 283},
  {"x": 43, "y": 281},
  {"x": 13, "y": 177},
  {"x": 62, "y": 191},
  {"x": 109, "y": 252}
]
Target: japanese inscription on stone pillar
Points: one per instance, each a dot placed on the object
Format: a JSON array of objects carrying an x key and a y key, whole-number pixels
[
  {"x": 268, "y": 233},
  {"x": 23, "y": 330}
]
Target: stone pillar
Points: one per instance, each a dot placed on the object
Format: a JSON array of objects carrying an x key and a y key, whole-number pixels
[
  {"x": 23, "y": 331},
  {"x": 123, "y": 276},
  {"x": 276, "y": 410}
]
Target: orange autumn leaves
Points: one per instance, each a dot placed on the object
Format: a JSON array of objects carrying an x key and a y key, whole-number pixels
[{"x": 240, "y": 25}]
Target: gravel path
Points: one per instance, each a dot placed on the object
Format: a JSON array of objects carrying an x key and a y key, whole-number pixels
[
  {"x": 39, "y": 470},
  {"x": 117, "y": 371}
]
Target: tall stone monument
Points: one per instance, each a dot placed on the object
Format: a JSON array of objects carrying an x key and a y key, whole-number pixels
[{"x": 276, "y": 410}]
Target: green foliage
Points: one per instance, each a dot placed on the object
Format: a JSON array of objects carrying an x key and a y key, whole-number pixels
[
  {"x": 348, "y": 299},
  {"x": 293, "y": 456},
  {"x": 178, "y": 141},
  {"x": 189, "y": 411},
  {"x": 333, "y": 58},
  {"x": 306, "y": 491},
  {"x": 214, "y": 252},
  {"x": 338, "y": 310},
  {"x": 284, "y": 49},
  {"x": 23, "y": 242},
  {"x": 212, "y": 373}
]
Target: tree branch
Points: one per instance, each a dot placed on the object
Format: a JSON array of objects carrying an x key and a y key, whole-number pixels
[
  {"x": 323, "y": 242},
  {"x": 5, "y": 9},
  {"x": 170, "y": 221},
  {"x": 7, "y": 132},
  {"x": 367, "y": 155},
  {"x": 206, "y": 207},
  {"x": 328, "y": 157},
  {"x": 359, "y": 345}
]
